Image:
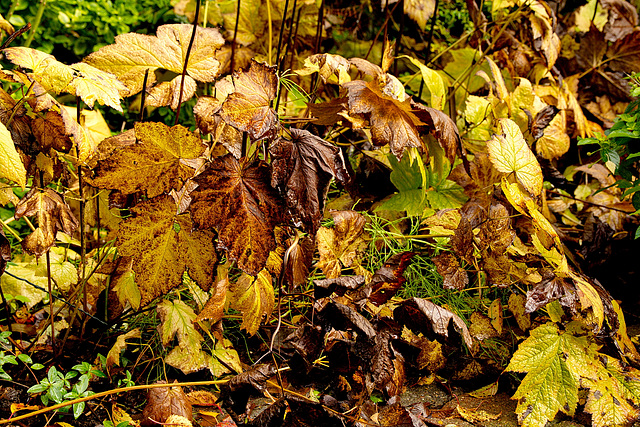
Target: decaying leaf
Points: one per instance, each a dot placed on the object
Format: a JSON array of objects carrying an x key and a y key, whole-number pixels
[
  {"x": 235, "y": 199},
  {"x": 113, "y": 357},
  {"x": 248, "y": 108},
  {"x": 133, "y": 54},
  {"x": 155, "y": 165},
  {"x": 214, "y": 307},
  {"x": 163, "y": 402},
  {"x": 254, "y": 297},
  {"x": 392, "y": 121},
  {"x": 163, "y": 245},
  {"x": 302, "y": 170},
  {"x": 53, "y": 214},
  {"x": 455, "y": 277},
  {"x": 340, "y": 246},
  {"x": 331, "y": 68}
]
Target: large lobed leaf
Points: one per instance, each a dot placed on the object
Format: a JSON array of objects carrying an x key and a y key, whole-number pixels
[
  {"x": 235, "y": 199},
  {"x": 155, "y": 164},
  {"x": 163, "y": 245}
]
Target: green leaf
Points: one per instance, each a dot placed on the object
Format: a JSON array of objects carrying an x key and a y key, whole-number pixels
[
  {"x": 409, "y": 177},
  {"x": 78, "y": 408},
  {"x": 38, "y": 388},
  {"x": 11, "y": 166}
]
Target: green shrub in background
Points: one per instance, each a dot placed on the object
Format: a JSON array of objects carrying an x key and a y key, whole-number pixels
[{"x": 75, "y": 28}]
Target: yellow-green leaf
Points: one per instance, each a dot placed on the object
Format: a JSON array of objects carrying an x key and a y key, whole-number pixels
[
  {"x": 433, "y": 80},
  {"x": 92, "y": 84},
  {"x": 113, "y": 357},
  {"x": 11, "y": 166},
  {"x": 176, "y": 319},
  {"x": 510, "y": 153},
  {"x": 253, "y": 297}
]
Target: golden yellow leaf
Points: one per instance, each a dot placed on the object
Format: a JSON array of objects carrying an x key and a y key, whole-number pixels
[
  {"x": 253, "y": 297},
  {"x": 340, "y": 246},
  {"x": 11, "y": 166},
  {"x": 420, "y": 11},
  {"x": 113, "y": 357},
  {"x": 92, "y": 84},
  {"x": 510, "y": 153},
  {"x": 331, "y": 68},
  {"x": 555, "y": 141}
]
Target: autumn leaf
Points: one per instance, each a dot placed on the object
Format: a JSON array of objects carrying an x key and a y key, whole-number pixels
[
  {"x": 163, "y": 245},
  {"x": 236, "y": 200},
  {"x": 431, "y": 79},
  {"x": 443, "y": 129},
  {"x": 341, "y": 245},
  {"x": 50, "y": 131},
  {"x": 155, "y": 165},
  {"x": 133, "y": 54},
  {"x": 254, "y": 298},
  {"x": 124, "y": 285},
  {"x": 302, "y": 169},
  {"x": 113, "y": 357},
  {"x": 11, "y": 166},
  {"x": 331, "y": 68},
  {"x": 214, "y": 308},
  {"x": 392, "y": 121},
  {"x": 420, "y": 11},
  {"x": 53, "y": 214},
  {"x": 163, "y": 402},
  {"x": 248, "y": 109},
  {"x": 389, "y": 279},
  {"x": 510, "y": 153},
  {"x": 448, "y": 266}
]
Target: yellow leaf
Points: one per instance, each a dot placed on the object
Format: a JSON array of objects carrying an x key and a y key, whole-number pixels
[
  {"x": 87, "y": 134},
  {"x": 92, "y": 84},
  {"x": 253, "y": 297},
  {"x": 420, "y": 11},
  {"x": 133, "y": 54},
  {"x": 432, "y": 79},
  {"x": 113, "y": 357},
  {"x": 125, "y": 287},
  {"x": 340, "y": 246},
  {"x": 176, "y": 319},
  {"x": 331, "y": 68},
  {"x": 510, "y": 153},
  {"x": 555, "y": 141},
  {"x": 11, "y": 166},
  {"x": 501, "y": 88},
  {"x": 49, "y": 72},
  {"x": 589, "y": 297}
]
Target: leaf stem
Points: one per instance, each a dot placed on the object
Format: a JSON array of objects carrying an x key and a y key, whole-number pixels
[
  {"x": 186, "y": 60},
  {"x": 232, "y": 62},
  {"x": 36, "y": 23},
  {"x": 270, "y": 27}
]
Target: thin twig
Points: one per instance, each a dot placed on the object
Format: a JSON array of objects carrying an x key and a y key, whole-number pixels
[
  {"x": 232, "y": 62},
  {"x": 186, "y": 60},
  {"x": 15, "y": 34},
  {"x": 589, "y": 203}
]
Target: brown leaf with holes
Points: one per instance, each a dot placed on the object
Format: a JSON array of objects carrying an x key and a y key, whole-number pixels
[
  {"x": 302, "y": 169},
  {"x": 235, "y": 199},
  {"x": 392, "y": 122},
  {"x": 155, "y": 165},
  {"x": 53, "y": 214},
  {"x": 162, "y": 402},
  {"x": 248, "y": 108},
  {"x": 341, "y": 245},
  {"x": 449, "y": 268}
]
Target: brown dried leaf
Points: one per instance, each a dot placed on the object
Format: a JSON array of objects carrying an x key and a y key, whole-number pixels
[
  {"x": 235, "y": 198},
  {"x": 331, "y": 68},
  {"x": 392, "y": 121},
  {"x": 214, "y": 308},
  {"x": 154, "y": 165},
  {"x": 50, "y": 131},
  {"x": 168, "y": 93},
  {"x": 302, "y": 170},
  {"x": 341, "y": 245},
  {"x": 326, "y": 113},
  {"x": 53, "y": 214},
  {"x": 248, "y": 108},
  {"x": 388, "y": 280},
  {"x": 299, "y": 263},
  {"x": 162, "y": 402},
  {"x": 625, "y": 53},
  {"x": 517, "y": 307},
  {"x": 442, "y": 128},
  {"x": 449, "y": 268}
]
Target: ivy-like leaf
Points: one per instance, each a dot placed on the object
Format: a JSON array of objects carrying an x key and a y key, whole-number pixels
[
  {"x": 254, "y": 298},
  {"x": 235, "y": 199},
  {"x": 155, "y": 164},
  {"x": 302, "y": 170},
  {"x": 133, "y": 54},
  {"x": 392, "y": 121},
  {"x": 248, "y": 108},
  {"x": 510, "y": 153},
  {"x": 163, "y": 246}
]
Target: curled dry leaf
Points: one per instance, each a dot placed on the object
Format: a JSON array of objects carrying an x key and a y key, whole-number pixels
[
  {"x": 388, "y": 279},
  {"x": 113, "y": 357},
  {"x": 302, "y": 170},
  {"x": 155, "y": 165},
  {"x": 53, "y": 214},
  {"x": 214, "y": 308},
  {"x": 235, "y": 199},
  {"x": 331, "y": 68},
  {"x": 441, "y": 127},
  {"x": 392, "y": 121},
  {"x": 248, "y": 109},
  {"x": 163, "y": 402},
  {"x": 133, "y": 54}
]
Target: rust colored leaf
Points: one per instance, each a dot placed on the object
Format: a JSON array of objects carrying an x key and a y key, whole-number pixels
[
  {"x": 625, "y": 53},
  {"x": 162, "y": 402},
  {"x": 235, "y": 199},
  {"x": 163, "y": 245},
  {"x": 50, "y": 132},
  {"x": 517, "y": 308},
  {"x": 326, "y": 113},
  {"x": 388, "y": 280},
  {"x": 339, "y": 285},
  {"x": 392, "y": 121},
  {"x": 341, "y": 245},
  {"x": 416, "y": 312},
  {"x": 299, "y": 263},
  {"x": 248, "y": 108},
  {"x": 551, "y": 288},
  {"x": 53, "y": 214},
  {"x": 441, "y": 127},
  {"x": 343, "y": 317},
  {"x": 155, "y": 165},
  {"x": 214, "y": 308},
  {"x": 496, "y": 233},
  {"x": 302, "y": 170},
  {"x": 449, "y": 268}
]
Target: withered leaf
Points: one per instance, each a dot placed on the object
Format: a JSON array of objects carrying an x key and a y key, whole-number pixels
[
  {"x": 331, "y": 68},
  {"x": 162, "y": 402},
  {"x": 625, "y": 52},
  {"x": 53, "y": 214},
  {"x": 133, "y": 54},
  {"x": 392, "y": 121},
  {"x": 254, "y": 298},
  {"x": 238, "y": 390},
  {"x": 113, "y": 357},
  {"x": 449, "y": 268},
  {"x": 299, "y": 263},
  {"x": 326, "y": 113},
  {"x": 542, "y": 120},
  {"x": 441, "y": 127},
  {"x": 155, "y": 165},
  {"x": 343, "y": 317},
  {"x": 50, "y": 132},
  {"x": 339, "y": 285},
  {"x": 550, "y": 289},
  {"x": 416, "y": 312},
  {"x": 5, "y": 251},
  {"x": 248, "y": 108},
  {"x": 163, "y": 246},
  {"x": 236, "y": 200},
  {"x": 214, "y": 308},
  {"x": 388, "y": 279},
  {"x": 302, "y": 169},
  {"x": 341, "y": 245}
]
